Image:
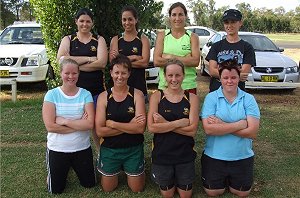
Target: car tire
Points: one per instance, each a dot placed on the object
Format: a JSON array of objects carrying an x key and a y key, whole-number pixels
[
  {"x": 202, "y": 66},
  {"x": 50, "y": 73}
]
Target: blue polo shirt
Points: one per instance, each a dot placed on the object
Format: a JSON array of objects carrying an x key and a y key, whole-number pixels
[{"x": 229, "y": 147}]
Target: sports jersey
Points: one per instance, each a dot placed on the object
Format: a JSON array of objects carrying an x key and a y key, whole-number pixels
[
  {"x": 173, "y": 148},
  {"x": 123, "y": 112},
  {"x": 229, "y": 147},
  {"x": 93, "y": 80},
  {"x": 70, "y": 107},
  {"x": 221, "y": 51},
  {"x": 137, "y": 78},
  {"x": 179, "y": 47}
]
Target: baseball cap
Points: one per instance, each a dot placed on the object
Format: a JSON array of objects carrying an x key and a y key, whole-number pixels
[{"x": 232, "y": 14}]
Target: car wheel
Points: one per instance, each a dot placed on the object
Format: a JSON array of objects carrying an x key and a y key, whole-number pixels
[
  {"x": 202, "y": 66},
  {"x": 50, "y": 72}
]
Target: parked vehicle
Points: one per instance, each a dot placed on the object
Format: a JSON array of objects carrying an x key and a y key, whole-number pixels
[
  {"x": 152, "y": 71},
  {"x": 204, "y": 33},
  {"x": 273, "y": 69},
  {"x": 23, "y": 54}
]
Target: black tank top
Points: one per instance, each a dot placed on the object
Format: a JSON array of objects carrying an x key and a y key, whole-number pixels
[
  {"x": 121, "y": 112},
  {"x": 137, "y": 77},
  {"x": 172, "y": 148},
  {"x": 92, "y": 81}
]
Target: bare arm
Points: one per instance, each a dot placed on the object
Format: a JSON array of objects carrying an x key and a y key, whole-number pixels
[
  {"x": 113, "y": 49},
  {"x": 156, "y": 123},
  {"x": 86, "y": 63},
  {"x": 64, "y": 52},
  {"x": 99, "y": 62},
  {"x": 138, "y": 123},
  {"x": 251, "y": 130},
  {"x": 158, "y": 59},
  {"x": 100, "y": 119},
  {"x": 192, "y": 128},
  {"x": 142, "y": 61},
  {"x": 49, "y": 116},
  {"x": 190, "y": 60},
  {"x": 83, "y": 124},
  {"x": 215, "y": 126},
  {"x": 213, "y": 69},
  {"x": 245, "y": 70}
]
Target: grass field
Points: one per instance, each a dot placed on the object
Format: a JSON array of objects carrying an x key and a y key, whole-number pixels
[
  {"x": 23, "y": 146},
  {"x": 290, "y": 37}
]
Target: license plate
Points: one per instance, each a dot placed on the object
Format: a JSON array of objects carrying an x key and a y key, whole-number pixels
[
  {"x": 4, "y": 73},
  {"x": 269, "y": 78}
]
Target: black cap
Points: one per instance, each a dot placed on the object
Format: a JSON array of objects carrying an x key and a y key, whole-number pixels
[{"x": 232, "y": 14}]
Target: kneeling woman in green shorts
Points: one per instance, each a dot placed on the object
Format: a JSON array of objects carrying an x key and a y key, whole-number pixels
[{"x": 120, "y": 122}]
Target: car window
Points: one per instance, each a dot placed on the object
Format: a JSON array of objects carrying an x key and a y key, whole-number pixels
[
  {"x": 21, "y": 35},
  {"x": 202, "y": 32},
  {"x": 260, "y": 43}
]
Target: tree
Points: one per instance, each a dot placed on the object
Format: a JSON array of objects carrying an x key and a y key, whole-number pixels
[
  {"x": 7, "y": 16},
  {"x": 57, "y": 18}
]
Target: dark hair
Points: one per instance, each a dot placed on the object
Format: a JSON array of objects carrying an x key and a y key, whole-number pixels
[
  {"x": 84, "y": 11},
  {"x": 121, "y": 59},
  {"x": 229, "y": 65},
  {"x": 174, "y": 62},
  {"x": 178, "y": 4},
  {"x": 133, "y": 11},
  {"x": 64, "y": 62}
]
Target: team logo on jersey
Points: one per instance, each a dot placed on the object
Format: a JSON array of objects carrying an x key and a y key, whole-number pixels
[
  {"x": 186, "y": 111},
  {"x": 93, "y": 48},
  {"x": 186, "y": 47},
  {"x": 134, "y": 50},
  {"x": 130, "y": 110}
]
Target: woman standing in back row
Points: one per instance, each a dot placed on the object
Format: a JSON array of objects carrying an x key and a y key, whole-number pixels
[
  {"x": 180, "y": 44},
  {"x": 135, "y": 46},
  {"x": 89, "y": 51}
]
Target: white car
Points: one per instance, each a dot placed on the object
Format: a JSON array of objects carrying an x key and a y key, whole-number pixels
[
  {"x": 273, "y": 70},
  {"x": 23, "y": 54},
  {"x": 204, "y": 33},
  {"x": 152, "y": 71}
]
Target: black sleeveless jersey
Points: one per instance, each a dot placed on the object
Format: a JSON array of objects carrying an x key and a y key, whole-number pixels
[
  {"x": 137, "y": 77},
  {"x": 92, "y": 81},
  {"x": 121, "y": 112},
  {"x": 172, "y": 148}
]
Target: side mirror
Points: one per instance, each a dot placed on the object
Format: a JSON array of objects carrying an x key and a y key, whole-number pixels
[
  {"x": 281, "y": 49},
  {"x": 209, "y": 44}
]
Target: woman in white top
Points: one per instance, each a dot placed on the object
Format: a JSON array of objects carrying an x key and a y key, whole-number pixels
[{"x": 68, "y": 114}]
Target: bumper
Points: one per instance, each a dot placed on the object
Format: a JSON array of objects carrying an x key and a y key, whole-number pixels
[
  {"x": 285, "y": 81},
  {"x": 27, "y": 74}
]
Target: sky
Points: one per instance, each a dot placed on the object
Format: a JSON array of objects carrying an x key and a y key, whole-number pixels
[{"x": 269, "y": 4}]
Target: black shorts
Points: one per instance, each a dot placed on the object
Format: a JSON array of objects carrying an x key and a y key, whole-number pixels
[
  {"x": 168, "y": 176},
  {"x": 217, "y": 174},
  {"x": 59, "y": 164}
]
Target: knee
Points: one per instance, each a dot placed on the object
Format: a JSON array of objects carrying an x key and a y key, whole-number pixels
[
  {"x": 240, "y": 193},
  {"x": 137, "y": 189},
  {"x": 214, "y": 193}
]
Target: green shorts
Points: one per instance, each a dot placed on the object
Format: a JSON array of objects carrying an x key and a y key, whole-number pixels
[{"x": 114, "y": 160}]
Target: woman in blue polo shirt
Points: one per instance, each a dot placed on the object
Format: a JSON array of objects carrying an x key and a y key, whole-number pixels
[{"x": 230, "y": 120}]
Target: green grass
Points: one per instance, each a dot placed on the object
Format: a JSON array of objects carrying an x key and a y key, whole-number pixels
[
  {"x": 23, "y": 147},
  {"x": 290, "y": 37}
]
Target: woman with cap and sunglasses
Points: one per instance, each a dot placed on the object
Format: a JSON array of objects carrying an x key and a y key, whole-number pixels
[
  {"x": 232, "y": 47},
  {"x": 230, "y": 119}
]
